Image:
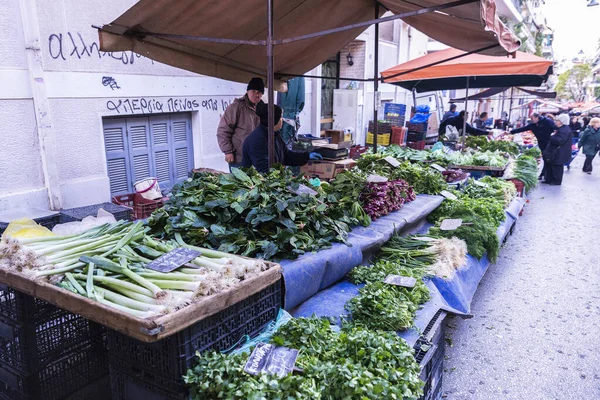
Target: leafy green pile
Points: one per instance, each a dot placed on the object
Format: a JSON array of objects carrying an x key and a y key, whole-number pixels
[
  {"x": 353, "y": 364},
  {"x": 534, "y": 152},
  {"x": 494, "y": 188},
  {"x": 476, "y": 142},
  {"x": 343, "y": 196},
  {"x": 423, "y": 179},
  {"x": 406, "y": 153},
  {"x": 478, "y": 233},
  {"x": 250, "y": 214},
  {"x": 489, "y": 209},
  {"x": 526, "y": 170},
  {"x": 503, "y": 146}
]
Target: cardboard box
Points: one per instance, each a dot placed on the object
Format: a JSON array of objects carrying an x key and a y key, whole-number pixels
[
  {"x": 336, "y": 146},
  {"x": 335, "y": 135},
  {"x": 327, "y": 169}
]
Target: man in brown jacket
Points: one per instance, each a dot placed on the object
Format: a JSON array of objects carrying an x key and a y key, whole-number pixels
[{"x": 238, "y": 122}]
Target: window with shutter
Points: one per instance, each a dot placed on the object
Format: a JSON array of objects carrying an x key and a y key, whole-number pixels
[
  {"x": 137, "y": 148},
  {"x": 117, "y": 156}
]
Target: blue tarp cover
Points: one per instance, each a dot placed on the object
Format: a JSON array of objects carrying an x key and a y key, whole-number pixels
[
  {"x": 313, "y": 272},
  {"x": 454, "y": 296}
]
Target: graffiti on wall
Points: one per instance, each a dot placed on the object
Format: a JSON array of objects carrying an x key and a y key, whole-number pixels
[
  {"x": 142, "y": 105},
  {"x": 74, "y": 45}
]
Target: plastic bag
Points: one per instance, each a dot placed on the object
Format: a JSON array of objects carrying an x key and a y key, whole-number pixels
[
  {"x": 423, "y": 108},
  {"x": 78, "y": 227},
  {"x": 25, "y": 228},
  {"x": 419, "y": 118},
  {"x": 282, "y": 318}
]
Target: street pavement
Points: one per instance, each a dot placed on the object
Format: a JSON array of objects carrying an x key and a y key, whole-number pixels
[{"x": 535, "y": 334}]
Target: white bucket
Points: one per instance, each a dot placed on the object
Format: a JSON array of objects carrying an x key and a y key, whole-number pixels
[{"x": 148, "y": 188}]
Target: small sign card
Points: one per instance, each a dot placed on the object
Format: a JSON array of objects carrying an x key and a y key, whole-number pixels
[
  {"x": 376, "y": 179},
  {"x": 450, "y": 224},
  {"x": 173, "y": 259},
  {"x": 448, "y": 195},
  {"x": 398, "y": 280},
  {"x": 392, "y": 161},
  {"x": 476, "y": 182},
  {"x": 438, "y": 167},
  {"x": 273, "y": 360},
  {"x": 302, "y": 189}
]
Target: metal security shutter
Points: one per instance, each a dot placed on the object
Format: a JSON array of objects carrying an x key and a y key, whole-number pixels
[
  {"x": 161, "y": 149},
  {"x": 117, "y": 156},
  {"x": 182, "y": 146},
  {"x": 158, "y": 146}
]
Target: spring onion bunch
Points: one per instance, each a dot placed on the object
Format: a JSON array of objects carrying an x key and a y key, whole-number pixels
[{"x": 109, "y": 264}]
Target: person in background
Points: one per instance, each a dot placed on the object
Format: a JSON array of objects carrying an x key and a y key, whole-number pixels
[
  {"x": 458, "y": 122},
  {"x": 450, "y": 113},
  {"x": 576, "y": 126},
  {"x": 542, "y": 128},
  {"x": 586, "y": 121},
  {"x": 238, "y": 122},
  {"x": 558, "y": 152},
  {"x": 480, "y": 122},
  {"x": 590, "y": 141},
  {"x": 256, "y": 149}
]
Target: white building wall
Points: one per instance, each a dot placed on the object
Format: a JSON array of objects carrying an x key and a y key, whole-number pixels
[{"x": 83, "y": 85}]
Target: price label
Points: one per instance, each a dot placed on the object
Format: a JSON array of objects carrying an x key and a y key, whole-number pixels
[
  {"x": 392, "y": 161},
  {"x": 399, "y": 280},
  {"x": 376, "y": 179},
  {"x": 272, "y": 360},
  {"x": 302, "y": 189},
  {"x": 448, "y": 195},
  {"x": 476, "y": 182},
  {"x": 451, "y": 224},
  {"x": 173, "y": 259},
  {"x": 438, "y": 167}
]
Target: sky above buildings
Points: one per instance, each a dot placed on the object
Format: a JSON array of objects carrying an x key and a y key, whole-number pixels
[{"x": 576, "y": 27}]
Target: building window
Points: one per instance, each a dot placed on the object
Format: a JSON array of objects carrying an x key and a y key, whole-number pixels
[{"x": 142, "y": 147}]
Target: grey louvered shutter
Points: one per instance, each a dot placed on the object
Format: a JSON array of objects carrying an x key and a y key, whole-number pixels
[
  {"x": 140, "y": 153},
  {"x": 117, "y": 157},
  {"x": 161, "y": 149},
  {"x": 182, "y": 146}
]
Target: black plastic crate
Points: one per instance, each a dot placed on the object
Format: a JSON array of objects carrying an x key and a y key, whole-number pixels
[
  {"x": 158, "y": 367},
  {"x": 41, "y": 335},
  {"x": 79, "y": 213},
  {"x": 420, "y": 127},
  {"x": 432, "y": 360},
  {"x": 416, "y": 136},
  {"x": 69, "y": 373},
  {"x": 48, "y": 221}
]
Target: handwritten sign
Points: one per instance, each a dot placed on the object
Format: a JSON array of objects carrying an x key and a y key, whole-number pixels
[
  {"x": 173, "y": 259},
  {"x": 392, "y": 161},
  {"x": 450, "y": 224},
  {"x": 272, "y": 360},
  {"x": 448, "y": 195},
  {"x": 438, "y": 167},
  {"x": 476, "y": 182},
  {"x": 376, "y": 179},
  {"x": 399, "y": 280},
  {"x": 302, "y": 189}
]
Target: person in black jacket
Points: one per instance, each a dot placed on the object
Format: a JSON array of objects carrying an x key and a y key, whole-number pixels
[
  {"x": 256, "y": 150},
  {"x": 457, "y": 122},
  {"x": 542, "y": 128},
  {"x": 558, "y": 152},
  {"x": 575, "y": 126}
]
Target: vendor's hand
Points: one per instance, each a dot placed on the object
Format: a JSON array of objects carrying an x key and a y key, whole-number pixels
[
  {"x": 315, "y": 156},
  {"x": 229, "y": 158}
]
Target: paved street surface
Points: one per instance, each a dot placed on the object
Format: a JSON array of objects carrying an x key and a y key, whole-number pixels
[{"x": 536, "y": 327}]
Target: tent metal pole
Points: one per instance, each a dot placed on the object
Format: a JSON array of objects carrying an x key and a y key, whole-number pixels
[
  {"x": 377, "y": 20},
  {"x": 270, "y": 83},
  {"x": 512, "y": 92},
  {"x": 376, "y": 81},
  {"x": 464, "y": 132}
]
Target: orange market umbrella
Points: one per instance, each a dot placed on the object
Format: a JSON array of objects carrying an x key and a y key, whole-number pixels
[{"x": 432, "y": 72}]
